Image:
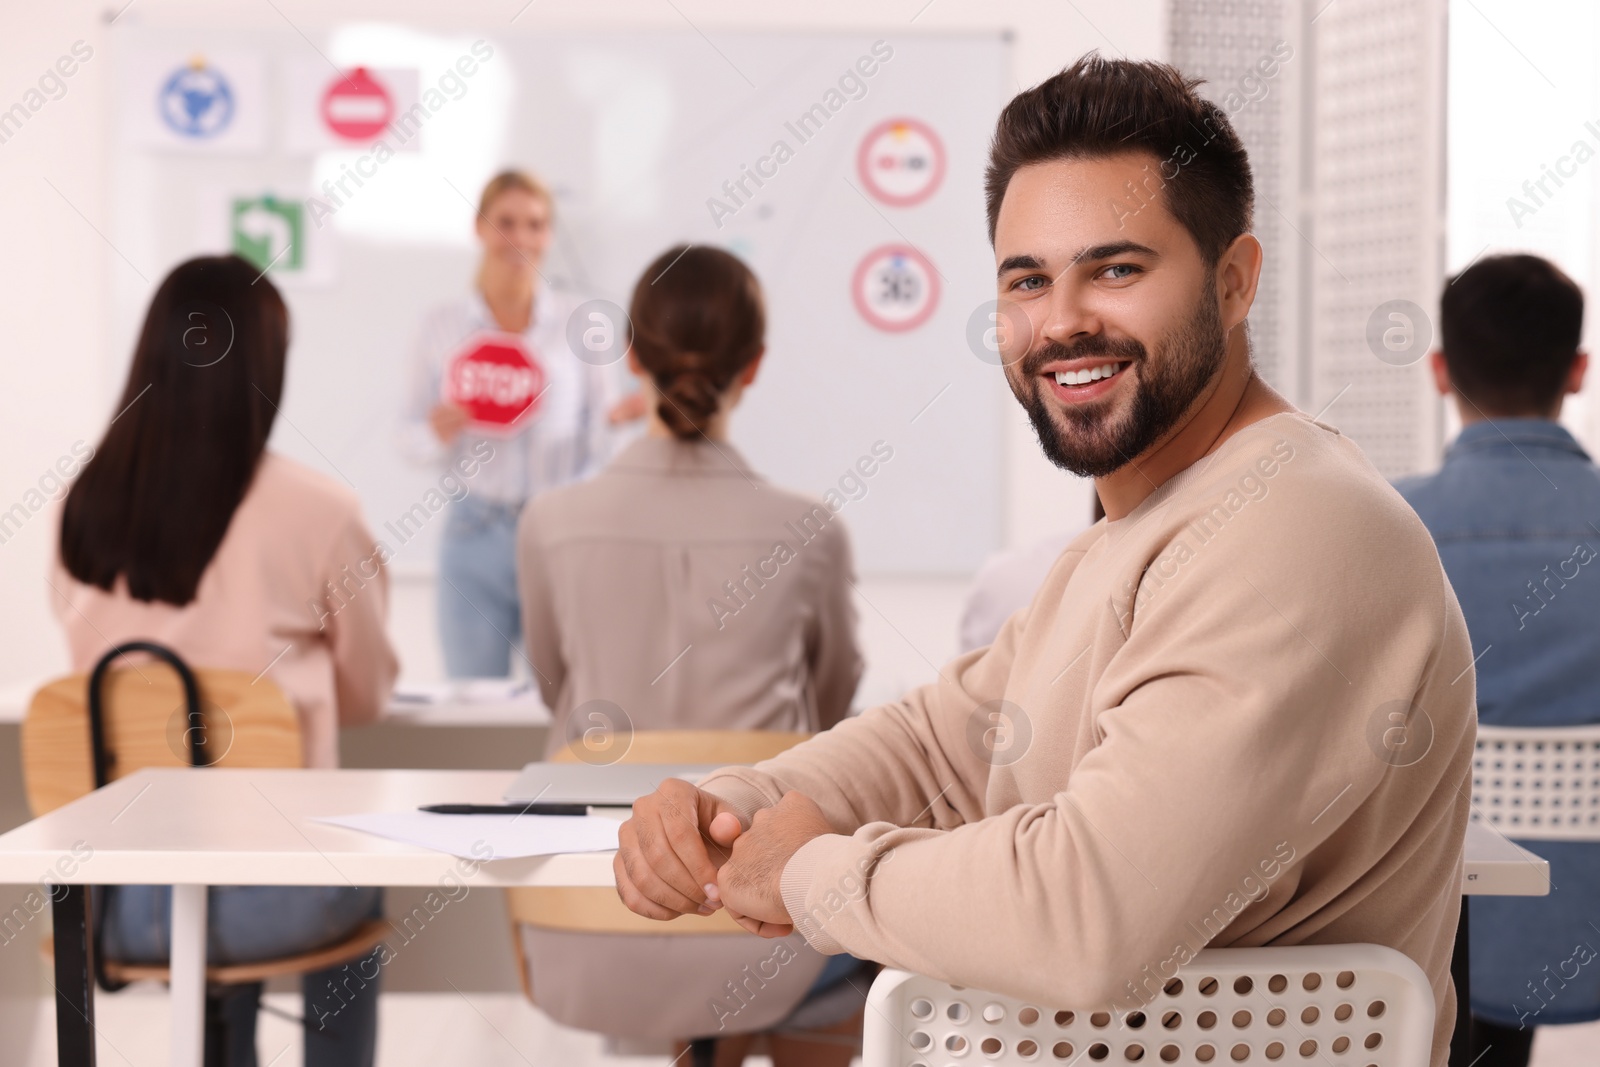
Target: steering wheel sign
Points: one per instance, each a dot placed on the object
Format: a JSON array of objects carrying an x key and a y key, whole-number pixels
[{"x": 196, "y": 102}]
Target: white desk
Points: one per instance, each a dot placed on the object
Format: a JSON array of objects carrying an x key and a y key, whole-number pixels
[
  {"x": 174, "y": 827},
  {"x": 1495, "y": 866},
  {"x": 1498, "y": 867},
  {"x": 253, "y": 827}
]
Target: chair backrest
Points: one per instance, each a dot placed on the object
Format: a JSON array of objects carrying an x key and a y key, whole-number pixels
[
  {"x": 248, "y": 722},
  {"x": 1306, "y": 1004},
  {"x": 1538, "y": 782},
  {"x": 594, "y": 910}
]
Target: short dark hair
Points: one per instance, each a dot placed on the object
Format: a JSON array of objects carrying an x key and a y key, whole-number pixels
[
  {"x": 1101, "y": 107},
  {"x": 1510, "y": 327},
  {"x": 696, "y": 322},
  {"x": 152, "y": 504}
]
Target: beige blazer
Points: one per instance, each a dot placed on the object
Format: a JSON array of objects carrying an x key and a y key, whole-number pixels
[
  {"x": 678, "y": 589},
  {"x": 296, "y": 591}
]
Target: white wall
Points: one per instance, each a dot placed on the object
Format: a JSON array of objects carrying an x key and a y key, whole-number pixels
[
  {"x": 1518, "y": 108},
  {"x": 56, "y": 271}
]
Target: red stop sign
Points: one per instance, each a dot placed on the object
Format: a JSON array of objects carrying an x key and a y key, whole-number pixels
[
  {"x": 356, "y": 106},
  {"x": 497, "y": 380}
]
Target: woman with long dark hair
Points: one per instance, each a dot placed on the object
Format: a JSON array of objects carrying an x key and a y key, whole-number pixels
[{"x": 184, "y": 529}]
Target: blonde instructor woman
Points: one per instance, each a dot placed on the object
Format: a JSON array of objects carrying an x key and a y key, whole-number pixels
[{"x": 564, "y": 438}]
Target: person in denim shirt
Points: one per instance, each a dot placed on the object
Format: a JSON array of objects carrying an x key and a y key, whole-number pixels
[{"x": 1515, "y": 512}]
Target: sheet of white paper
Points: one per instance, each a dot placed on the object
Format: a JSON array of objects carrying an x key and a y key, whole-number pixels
[{"x": 509, "y": 836}]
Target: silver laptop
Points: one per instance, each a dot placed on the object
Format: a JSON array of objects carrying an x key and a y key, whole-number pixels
[{"x": 616, "y": 785}]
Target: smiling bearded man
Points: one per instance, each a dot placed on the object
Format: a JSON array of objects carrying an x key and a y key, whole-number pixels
[
  {"x": 1096, "y": 443},
  {"x": 1199, "y": 708}
]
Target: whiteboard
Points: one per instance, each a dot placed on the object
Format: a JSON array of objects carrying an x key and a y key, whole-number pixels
[{"x": 637, "y": 134}]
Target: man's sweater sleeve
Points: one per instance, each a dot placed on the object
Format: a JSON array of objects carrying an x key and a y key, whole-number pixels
[
  {"x": 1235, "y": 727},
  {"x": 917, "y": 762}
]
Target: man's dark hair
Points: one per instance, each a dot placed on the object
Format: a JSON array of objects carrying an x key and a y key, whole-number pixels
[
  {"x": 1100, "y": 107},
  {"x": 1510, "y": 327}
]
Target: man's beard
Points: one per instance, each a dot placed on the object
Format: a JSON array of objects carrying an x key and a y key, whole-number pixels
[{"x": 1166, "y": 387}]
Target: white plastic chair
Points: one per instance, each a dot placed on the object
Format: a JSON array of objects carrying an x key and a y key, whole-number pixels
[
  {"x": 1538, "y": 782},
  {"x": 1296, "y": 1006}
]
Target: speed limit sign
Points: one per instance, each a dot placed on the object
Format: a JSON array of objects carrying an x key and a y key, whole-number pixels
[
  {"x": 895, "y": 288},
  {"x": 901, "y": 161}
]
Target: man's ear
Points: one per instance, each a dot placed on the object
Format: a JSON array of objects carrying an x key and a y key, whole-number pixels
[
  {"x": 1441, "y": 373},
  {"x": 1238, "y": 272},
  {"x": 1575, "y": 373}
]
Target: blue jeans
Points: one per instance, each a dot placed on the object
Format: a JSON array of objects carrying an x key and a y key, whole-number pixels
[
  {"x": 480, "y": 614},
  {"x": 246, "y": 924}
]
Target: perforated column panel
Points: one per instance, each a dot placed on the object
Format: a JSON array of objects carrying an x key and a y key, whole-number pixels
[
  {"x": 1249, "y": 55},
  {"x": 1377, "y": 171},
  {"x": 1346, "y": 143}
]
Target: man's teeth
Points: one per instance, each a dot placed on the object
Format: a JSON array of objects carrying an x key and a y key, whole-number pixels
[{"x": 1084, "y": 377}]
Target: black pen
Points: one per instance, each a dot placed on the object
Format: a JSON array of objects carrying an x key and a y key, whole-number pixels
[{"x": 506, "y": 809}]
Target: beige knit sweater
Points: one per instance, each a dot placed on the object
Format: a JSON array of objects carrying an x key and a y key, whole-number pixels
[{"x": 1241, "y": 715}]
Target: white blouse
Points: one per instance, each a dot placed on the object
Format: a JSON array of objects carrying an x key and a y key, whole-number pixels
[{"x": 567, "y": 438}]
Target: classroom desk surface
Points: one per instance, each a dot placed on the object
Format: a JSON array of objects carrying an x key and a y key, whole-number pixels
[
  {"x": 1499, "y": 867},
  {"x": 252, "y": 827},
  {"x": 193, "y": 829}
]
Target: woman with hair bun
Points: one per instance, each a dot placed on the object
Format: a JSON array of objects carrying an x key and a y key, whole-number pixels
[
  {"x": 679, "y": 590},
  {"x": 678, "y": 542}
]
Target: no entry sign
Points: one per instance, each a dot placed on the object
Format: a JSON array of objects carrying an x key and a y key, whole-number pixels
[
  {"x": 497, "y": 380},
  {"x": 357, "y": 106},
  {"x": 362, "y": 104}
]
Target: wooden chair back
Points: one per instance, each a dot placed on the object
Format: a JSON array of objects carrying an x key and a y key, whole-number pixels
[{"x": 246, "y": 722}]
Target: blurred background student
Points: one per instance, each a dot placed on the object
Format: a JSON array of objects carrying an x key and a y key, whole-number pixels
[
  {"x": 565, "y": 438},
  {"x": 1513, "y": 511},
  {"x": 184, "y": 530},
  {"x": 679, "y": 590},
  {"x": 1006, "y": 582}
]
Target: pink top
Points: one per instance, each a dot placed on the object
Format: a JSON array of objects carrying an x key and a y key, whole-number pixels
[{"x": 296, "y": 591}]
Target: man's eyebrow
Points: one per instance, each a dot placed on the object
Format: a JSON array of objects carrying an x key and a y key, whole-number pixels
[
  {"x": 1092, "y": 254},
  {"x": 1022, "y": 262},
  {"x": 1112, "y": 250}
]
